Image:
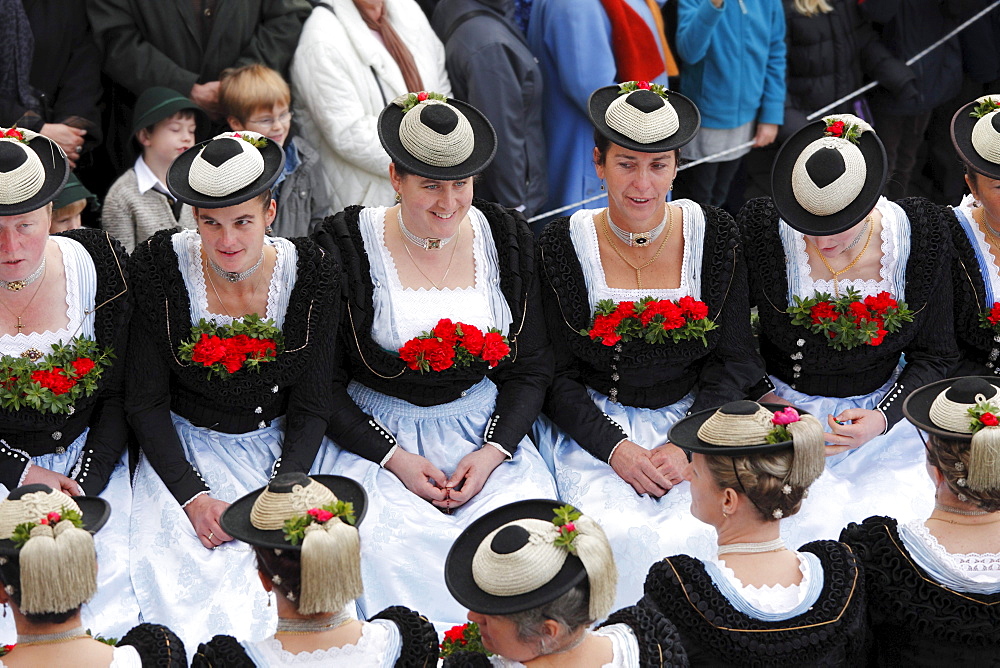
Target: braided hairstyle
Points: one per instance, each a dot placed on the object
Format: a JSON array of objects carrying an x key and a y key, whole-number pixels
[{"x": 762, "y": 479}]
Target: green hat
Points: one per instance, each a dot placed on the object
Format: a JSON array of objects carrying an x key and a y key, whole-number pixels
[
  {"x": 157, "y": 103},
  {"x": 73, "y": 191}
]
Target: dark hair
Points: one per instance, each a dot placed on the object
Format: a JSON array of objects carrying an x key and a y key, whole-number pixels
[
  {"x": 284, "y": 568},
  {"x": 950, "y": 456},
  {"x": 570, "y": 611},
  {"x": 10, "y": 575},
  {"x": 603, "y": 145}
]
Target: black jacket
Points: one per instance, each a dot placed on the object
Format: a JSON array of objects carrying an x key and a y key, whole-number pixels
[
  {"x": 808, "y": 364},
  {"x": 638, "y": 373},
  {"x": 522, "y": 377},
  {"x": 291, "y": 385},
  {"x": 978, "y": 346}
]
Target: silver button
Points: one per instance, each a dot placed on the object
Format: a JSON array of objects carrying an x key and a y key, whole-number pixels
[
  {"x": 463, "y": 393},
  {"x": 796, "y": 367},
  {"x": 56, "y": 435},
  {"x": 258, "y": 410},
  {"x": 800, "y": 343},
  {"x": 261, "y": 424},
  {"x": 796, "y": 356},
  {"x": 60, "y": 450},
  {"x": 71, "y": 410},
  {"x": 274, "y": 390}
]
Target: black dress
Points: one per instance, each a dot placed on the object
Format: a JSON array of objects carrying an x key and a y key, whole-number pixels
[
  {"x": 832, "y": 632},
  {"x": 916, "y": 621},
  {"x": 979, "y": 347},
  {"x": 420, "y": 644}
]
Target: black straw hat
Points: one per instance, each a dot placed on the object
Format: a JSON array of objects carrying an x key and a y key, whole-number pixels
[
  {"x": 649, "y": 120},
  {"x": 436, "y": 137},
  {"x": 33, "y": 169},
  {"x": 827, "y": 177},
  {"x": 975, "y": 133},
  {"x": 229, "y": 169}
]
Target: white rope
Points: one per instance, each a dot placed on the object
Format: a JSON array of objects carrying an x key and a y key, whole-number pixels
[
  {"x": 813, "y": 116},
  {"x": 639, "y": 126},
  {"x": 427, "y": 145}
]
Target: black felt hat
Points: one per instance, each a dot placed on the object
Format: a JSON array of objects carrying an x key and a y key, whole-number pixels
[
  {"x": 236, "y": 520},
  {"x": 976, "y": 136},
  {"x": 229, "y": 169},
  {"x": 437, "y": 139},
  {"x": 644, "y": 120},
  {"x": 968, "y": 391},
  {"x": 458, "y": 568},
  {"x": 33, "y": 169},
  {"x": 94, "y": 511},
  {"x": 809, "y": 194}
]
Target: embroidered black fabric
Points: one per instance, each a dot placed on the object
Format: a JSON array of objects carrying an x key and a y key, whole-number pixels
[
  {"x": 976, "y": 344},
  {"x": 522, "y": 378},
  {"x": 158, "y": 646},
  {"x": 649, "y": 375},
  {"x": 916, "y": 621},
  {"x": 297, "y": 378},
  {"x": 221, "y": 652},
  {"x": 928, "y": 341},
  {"x": 420, "y": 641},
  {"x": 832, "y": 632},
  {"x": 467, "y": 660},
  {"x": 658, "y": 639},
  {"x": 37, "y": 433}
]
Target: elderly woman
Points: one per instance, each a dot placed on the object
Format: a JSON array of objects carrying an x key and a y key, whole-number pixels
[
  {"x": 535, "y": 576},
  {"x": 934, "y": 584},
  {"x": 48, "y": 570},
  {"x": 444, "y": 345},
  {"x": 228, "y": 363},
  {"x": 646, "y": 304},
  {"x": 752, "y": 466},
  {"x": 854, "y": 298},
  {"x": 64, "y": 311},
  {"x": 353, "y": 58},
  {"x": 316, "y": 623},
  {"x": 975, "y": 236}
]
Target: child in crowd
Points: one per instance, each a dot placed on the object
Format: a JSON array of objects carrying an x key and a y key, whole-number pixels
[
  {"x": 67, "y": 207},
  {"x": 138, "y": 203},
  {"x": 255, "y": 97}
]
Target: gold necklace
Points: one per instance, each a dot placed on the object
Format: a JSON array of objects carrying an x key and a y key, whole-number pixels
[
  {"x": 19, "y": 324},
  {"x": 253, "y": 294},
  {"x": 451, "y": 259},
  {"x": 638, "y": 269},
  {"x": 984, "y": 224},
  {"x": 965, "y": 524},
  {"x": 836, "y": 274}
]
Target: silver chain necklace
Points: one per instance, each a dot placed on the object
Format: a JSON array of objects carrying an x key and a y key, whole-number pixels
[
  {"x": 27, "y": 639},
  {"x": 768, "y": 546},
  {"x": 430, "y": 243},
  {"x": 858, "y": 237},
  {"x": 17, "y": 286},
  {"x": 237, "y": 276},
  {"x": 958, "y": 511},
  {"x": 640, "y": 239},
  {"x": 303, "y": 626}
]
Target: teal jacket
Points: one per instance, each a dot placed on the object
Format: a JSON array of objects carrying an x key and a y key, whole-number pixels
[{"x": 733, "y": 60}]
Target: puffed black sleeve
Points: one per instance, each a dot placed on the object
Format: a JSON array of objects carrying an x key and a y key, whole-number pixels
[
  {"x": 157, "y": 645},
  {"x": 934, "y": 350},
  {"x": 420, "y": 641},
  {"x": 147, "y": 382},
  {"x": 221, "y": 652},
  {"x": 658, "y": 639}
]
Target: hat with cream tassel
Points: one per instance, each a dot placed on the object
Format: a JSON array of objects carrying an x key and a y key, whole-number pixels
[
  {"x": 963, "y": 409},
  {"x": 47, "y": 552},
  {"x": 316, "y": 516},
  {"x": 526, "y": 554}
]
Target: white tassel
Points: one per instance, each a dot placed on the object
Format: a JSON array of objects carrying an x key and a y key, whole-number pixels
[
  {"x": 79, "y": 563},
  {"x": 809, "y": 457},
  {"x": 594, "y": 551},
  {"x": 40, "y": 571},
  {"x": 331, "y": 567},
  {"x": 984, "y": 460}
]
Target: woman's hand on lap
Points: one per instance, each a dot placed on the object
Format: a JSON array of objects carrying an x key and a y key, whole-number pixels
[
  {"x": 862, "y": 425},
  {"x": 670, "y": 461},
  {"x": 634, "y": 464},
  {"x": 204, "y": 513},
  {"x": 418, "y": 475},
  {"x": 44, "y": 476},
  {"x": 470, "y": 475}
]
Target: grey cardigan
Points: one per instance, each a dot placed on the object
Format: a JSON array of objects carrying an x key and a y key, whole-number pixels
[{"x": 132, "y": 217}]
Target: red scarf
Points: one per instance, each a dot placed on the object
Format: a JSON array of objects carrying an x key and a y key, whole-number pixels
[{"x": 637, "y": 54}]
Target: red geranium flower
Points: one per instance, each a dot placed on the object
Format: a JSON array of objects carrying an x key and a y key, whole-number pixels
[
  {"x": 835, "y": 129},
  {"x": 994, "y": 316},
  {"x": 82, "y": 366},
  {"x": 438, "y": 354},
  {"x": 320, "y": 515},
  {"x": 445, "y": 330},
  {"x": 54, "y": 380},
  {"x": 14, "y": 133},
  {"x": 53, "y": 517},
  {"x": 456, "y": 634},
  {"x": 989, "y": 419},
  {"x": 208, "y": 350},
  {"x": 673, "y": 315},
  {"x": 823, "y": 310},
  {"x": 421, "y": 96},
  {"x": 472, "y": 339},
  {"x": 644, "y": 85},
  {"x": 879, "y": 337},
  {"x": 694, "y": 309},
  {"x": 494, "y": 348}
]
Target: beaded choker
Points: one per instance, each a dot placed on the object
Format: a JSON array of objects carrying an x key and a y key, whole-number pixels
[
  {"x": 639, "y": 238},
  {"x": 753, "y": 548},
  {"x": 958, "y": 511},
  {"x": 318, "y": 625},
  {"x": 28, "y": 639},
  {"x": 16, "y": 286},
  {"x": 237, "y": 276},
  {"x": 430, "y": 243}
]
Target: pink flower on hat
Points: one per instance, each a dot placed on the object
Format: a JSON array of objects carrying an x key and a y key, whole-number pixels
[{"x": 785, "y": 416}]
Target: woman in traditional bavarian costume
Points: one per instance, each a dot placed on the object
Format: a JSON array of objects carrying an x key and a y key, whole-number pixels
[
  {"x": 854, "y": 297},
  {"x": 646, "y": 304},
  {"x": 48, "y": 570},
  {"x": 536, "y": 575},
  {"x": 975, "y": 235},
  {"x": 303, "y": 532},
  {"x": 433, "y": 425},
  {"x": 230, "y": 356},
  {"x": 64, "y": 308},
  {"x": 757, "y": 602},
  {"x": 934, "y": 583}
]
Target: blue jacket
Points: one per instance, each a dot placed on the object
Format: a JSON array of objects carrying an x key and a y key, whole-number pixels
[{"x": 733, "y": 60}]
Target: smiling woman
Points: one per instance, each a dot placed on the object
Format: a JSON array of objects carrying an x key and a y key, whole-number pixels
[{"x": 226, "y": 372}]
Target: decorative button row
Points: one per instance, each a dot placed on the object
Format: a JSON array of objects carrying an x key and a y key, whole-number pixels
[
  {"x": 378, "y": 428},
  {"x": 615, "y": 424},
  {"x": 893, "y": 395},
  {"x": 18, "y": 455},
  {"x": 490, "y": 426}
]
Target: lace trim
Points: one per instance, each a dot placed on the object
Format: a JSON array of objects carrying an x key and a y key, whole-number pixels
[
  {"x": 191, "y": 241},
  {"x": 968, "y": 564},
  {"x": 375, "y": 637},
  {"x": 966, "y": 208},
  {"x": 867, "y": 287},
  {"x": 624, "y": 648},
  {"x": 771, "y": 598}
]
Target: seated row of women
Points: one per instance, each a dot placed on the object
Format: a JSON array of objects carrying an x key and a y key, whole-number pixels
[
  {"x": 413, "y": 348},
  {"x": 536, "y": 575}
]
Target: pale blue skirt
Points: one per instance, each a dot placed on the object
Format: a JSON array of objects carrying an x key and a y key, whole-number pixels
[
  {"x": 114, "y": 609},
  {"x": 405, "y": 539}
]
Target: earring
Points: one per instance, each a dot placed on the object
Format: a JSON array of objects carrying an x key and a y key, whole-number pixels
[
  {"x": 602, "y": 185},
  {"x": 671, "y": 187},
  {"x": 269, "y": 599},
  {"x": 725, "y": 515},
  {"x": 269, "y": 231},
  {"x": 399, "y": 198}
]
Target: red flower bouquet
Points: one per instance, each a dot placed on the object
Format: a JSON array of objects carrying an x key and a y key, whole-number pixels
[
  {"x": 838, "y": 128},
  {"x": 849, "y": 321},
  {"x": 991, "y": 319},
  {"x": 245, "y": 344},
  {"x": 68, "y": 373},
  {"x": 295, "y": 528},
  {"x": 454, "y": 344},
  {"x": 463, "y": 638},
  {"x": 650, "y": 320}
]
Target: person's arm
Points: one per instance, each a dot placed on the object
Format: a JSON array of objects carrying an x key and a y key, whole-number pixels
[
  {"x": 277, "y": 33},
  {"x": 129, "y": 58},
  {"x": 696, "y": 21},
  {"x": 772, "y": 103}
]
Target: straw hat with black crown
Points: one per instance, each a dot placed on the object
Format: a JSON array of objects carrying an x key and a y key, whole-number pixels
[
  {"x": 644, "y": 117},
  {"x": 975, "y": 133},
  {"x": 33, "y": 169}
]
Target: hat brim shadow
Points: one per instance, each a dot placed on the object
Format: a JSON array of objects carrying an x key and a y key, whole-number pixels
[
  {"x": 179, "y": 187},
  {"x": 688, "y": 117}
]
